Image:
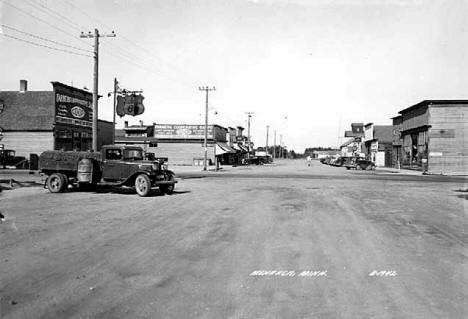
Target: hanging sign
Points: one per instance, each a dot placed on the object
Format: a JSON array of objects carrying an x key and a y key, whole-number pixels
[{"x": 131, "y": 104}]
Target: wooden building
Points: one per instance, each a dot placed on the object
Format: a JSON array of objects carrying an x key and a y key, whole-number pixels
[
  {"x": 435, "y": 136},
  {"x": 353, "y": 146},
  {"x": 35, "y": 121},
  {"x": 397, "y": 141},
  {"x": 377, "y": 144}
]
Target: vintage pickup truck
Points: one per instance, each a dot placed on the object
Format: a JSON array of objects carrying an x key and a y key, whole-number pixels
[{"x": 115, "y": 165}]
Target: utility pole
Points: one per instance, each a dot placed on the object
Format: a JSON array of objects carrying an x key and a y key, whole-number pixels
[
  {"x": 274, "y": 147},
  {"x": 268, "y": 128},
  {"x": 281, "y": 145},
  {"x": 249, "y": 115},
  {"x": 116, "y": 88},
  {"x": 96, "y": 36},
  {"x": 206, "y": 89}
]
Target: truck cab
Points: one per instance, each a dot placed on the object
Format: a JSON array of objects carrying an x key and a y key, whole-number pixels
[
  {"x": 119, "y": 162},
  {"x": 127, "y": 165}
]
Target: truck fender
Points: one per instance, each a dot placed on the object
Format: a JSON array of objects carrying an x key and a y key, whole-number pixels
[
  {"x": 169, "y": 172},
  {"x": 130, "y": 181}
]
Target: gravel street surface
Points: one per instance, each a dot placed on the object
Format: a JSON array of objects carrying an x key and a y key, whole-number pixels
[{"x": 274, "y": 241}]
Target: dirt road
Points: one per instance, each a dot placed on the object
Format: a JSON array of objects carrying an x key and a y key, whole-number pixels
[{"x": 257, "y": 245}]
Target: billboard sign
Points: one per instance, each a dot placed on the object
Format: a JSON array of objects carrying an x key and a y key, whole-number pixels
[
  {"x": 181, "y": 131},
  {"x": 73, "y": 106}
]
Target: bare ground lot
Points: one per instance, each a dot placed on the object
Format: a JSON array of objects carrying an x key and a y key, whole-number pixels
[{"x": 112, "y": 254}]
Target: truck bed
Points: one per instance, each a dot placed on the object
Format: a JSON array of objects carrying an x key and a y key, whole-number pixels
[{"x": 64, "y": 160}]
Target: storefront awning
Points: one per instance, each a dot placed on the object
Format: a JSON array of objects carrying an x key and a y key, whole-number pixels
[
  {"x": 244, "y": 148},
  {"x": 223, "y": 148},
  {"x": 237, "y": 147}
]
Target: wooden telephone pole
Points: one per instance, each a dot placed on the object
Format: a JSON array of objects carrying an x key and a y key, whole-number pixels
[
  {"x": 249, "y": 115},
  {"x": 96, "y": 37},
  {"x": 206, "y": 89}
]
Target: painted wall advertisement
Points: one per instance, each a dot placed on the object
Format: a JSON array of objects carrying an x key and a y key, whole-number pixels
[
  {"x": 73, "y": 106},
  {"x": 181, "y": 131}
]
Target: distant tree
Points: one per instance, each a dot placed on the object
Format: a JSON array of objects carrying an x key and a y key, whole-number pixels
[
  {"x": 293, "y": 154},
  {"x": 310, "y": 150}
]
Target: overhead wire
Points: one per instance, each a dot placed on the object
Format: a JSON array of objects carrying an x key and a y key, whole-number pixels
[
  {"x": 120, "y": 53},
  {"x": 43, "y": 21},
  {"x": 44, "y": 46},
  {"x": 51, "y": 12},
  {"x": 150, "y": 54},
  {"x": 45, "y": 39},
  {"x": 148, "y": 69}
]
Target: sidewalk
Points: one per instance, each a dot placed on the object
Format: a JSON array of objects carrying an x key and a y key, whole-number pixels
[
  {"x": 402, "y": 171},
  {"x": 13, "y": 178}
]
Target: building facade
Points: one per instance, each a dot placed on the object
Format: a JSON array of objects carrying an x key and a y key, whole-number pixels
[
  {"x": 377, "y": 144},
  {"x": 353, "y": 146},
  {"x": 397, "y": 142},
  {"x": 35, "y": 121},
  {"x": 435, "y": 137},
  {"x": 183, "y": 144}
]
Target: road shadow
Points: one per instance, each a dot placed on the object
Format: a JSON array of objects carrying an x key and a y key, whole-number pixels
[
  {"x": 105, "y": 189},
  {"x": 463, "y": 193},
  {"x": 180, "y": 192},
  {"x": 192, "y": 177}
]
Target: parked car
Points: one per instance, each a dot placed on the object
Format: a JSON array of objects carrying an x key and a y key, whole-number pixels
[
  {"x": 343, "y": 160},
  {"x": 9, "y": 158},
  {"x": 360, "y": 164}
]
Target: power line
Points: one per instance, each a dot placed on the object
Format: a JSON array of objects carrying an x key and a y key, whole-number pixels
[
  {"x": 45, "y": 39},
  {"x": 45, "y": 8},
  {"x": 127, "y": 55},
  {"x": 148, "y": 69},
  {"x": 72, "y": 23},
  {"x": 149, "y": 53},
  {"x": 44, "y": 46},
  {"x": 43, "y": 21}
]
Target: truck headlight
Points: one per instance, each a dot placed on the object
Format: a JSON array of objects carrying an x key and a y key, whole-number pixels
[{"x": 165, "y": 166}]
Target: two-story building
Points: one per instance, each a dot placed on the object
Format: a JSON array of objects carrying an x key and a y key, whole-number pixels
[
  {"x": 397, "y": 141},
  {"x": 36, "y": 121},
  {"x": 352, "y": 147},
  {"x": 377, "y": 144}
]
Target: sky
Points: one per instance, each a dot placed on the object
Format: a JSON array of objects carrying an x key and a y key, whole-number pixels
[{"x": 306, "y": 69}]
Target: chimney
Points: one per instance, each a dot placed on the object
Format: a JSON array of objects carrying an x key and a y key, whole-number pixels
[
  {"x": 126, "y": 123},
  {"x": 23, "y": 86}
]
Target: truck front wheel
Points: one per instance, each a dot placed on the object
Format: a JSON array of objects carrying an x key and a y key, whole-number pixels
[
  {"x": 168, "y": 189},
  {"x": 56, "y": 183},
  {"x": 142, "y": 185}
]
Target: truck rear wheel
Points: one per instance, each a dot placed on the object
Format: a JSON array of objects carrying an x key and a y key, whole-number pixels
[
  {"x": 56, "y": 183},
  {"x": 142, "y": 185}
]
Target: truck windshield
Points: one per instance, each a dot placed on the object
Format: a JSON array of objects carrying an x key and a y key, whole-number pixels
[{"x": 133, "y": 154}]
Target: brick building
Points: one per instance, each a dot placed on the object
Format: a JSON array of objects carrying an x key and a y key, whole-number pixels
[{"x": 35, "y": 121}]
